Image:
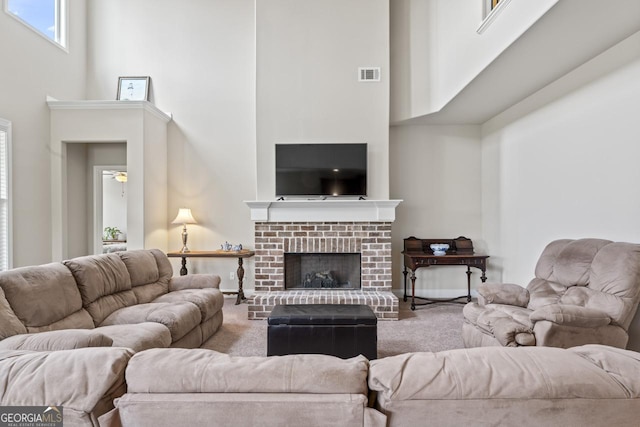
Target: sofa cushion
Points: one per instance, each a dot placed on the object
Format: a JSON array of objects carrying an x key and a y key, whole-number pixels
[
  {"x": 150, "y": 272},
  {"x": 502, "y": 293},
  {"x": 208, "y": 301},
  {"x": 68, "y": 339},
  {"x": 138, "y": 337},
  {"x": 623, "y": 365},
  {"x": 493, "y": 373},
  {"x": 543, "y": 292},
  {"x": 9, "y": 323},
  {"x": 568, "y": 262},
  {"x": 194, "y": 281},
  {"x": 564, "y": 314},
  {"x": 616, "y": 270},
  {"x": 179, "y": 318},
  {"x": 84, "y": 381},
  {"x": 207, "y": 371},
  {"x": 104, "y": 283},
  {"x": 42, "y": 295},
  {"x": 616, "y": 308}
]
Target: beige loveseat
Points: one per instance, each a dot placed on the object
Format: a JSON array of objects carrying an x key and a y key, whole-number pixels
[
  {"x": 123, "y": 299},
  {"x": 585, "y": 291}
]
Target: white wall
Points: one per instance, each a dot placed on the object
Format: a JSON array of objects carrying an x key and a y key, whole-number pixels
[
  {"x": 308, "y": 54},
  {"x": 412, "y": 42},
  {"x": 565, "y": 167},
  {"x": 436, "y": 171},
  {"x": 77, "y": 200},
  {"x": 437, "y": 50},
  {"x": 461, "y": 53},
  {"x": 200, "y": 55},
  {"x": 32, "y": 68}
]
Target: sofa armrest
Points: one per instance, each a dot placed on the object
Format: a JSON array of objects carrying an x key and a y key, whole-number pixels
[
  {"x": 84, "y": 381},
  {"x": 194, "y": 281},
  {"x": 66, "y": 339},
  {"x": 503, "y": 293},
  {"x": 571, "y": 315}
]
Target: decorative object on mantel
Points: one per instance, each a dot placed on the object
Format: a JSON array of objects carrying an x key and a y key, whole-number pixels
[
  {"x": 184, "y": 217},
  {"x": 133, "y": 88}
]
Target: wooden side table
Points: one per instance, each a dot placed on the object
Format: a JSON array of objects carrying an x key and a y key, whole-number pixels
[
  {"x": 245, "y": 253},
  {"x": 416, "y": 260},
  {"x": 417, "y": 253}
]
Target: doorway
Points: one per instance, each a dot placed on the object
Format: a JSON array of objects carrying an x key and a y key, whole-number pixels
[{"x": 109, "y": 232}]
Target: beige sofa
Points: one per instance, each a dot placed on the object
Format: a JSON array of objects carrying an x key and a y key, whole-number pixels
[
  {"x": 590, "y": 385},
  {"x": 124, "y": 299},
  {"x": 530, "y": 386}
]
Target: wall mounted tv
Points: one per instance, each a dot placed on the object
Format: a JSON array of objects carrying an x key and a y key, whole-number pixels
[{"x": 321, "y": 170}]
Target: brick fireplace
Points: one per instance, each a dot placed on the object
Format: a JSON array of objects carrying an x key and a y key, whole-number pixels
[{"x": 370, "y": 237}]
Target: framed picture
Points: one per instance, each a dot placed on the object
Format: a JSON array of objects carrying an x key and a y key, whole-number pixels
[{"x": 133, "y": 88}]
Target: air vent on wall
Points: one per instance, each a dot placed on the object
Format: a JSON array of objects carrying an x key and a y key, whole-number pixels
[{"x": 369, "y": 74}]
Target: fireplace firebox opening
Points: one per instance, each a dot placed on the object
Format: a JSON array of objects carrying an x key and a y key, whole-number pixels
[{"x": 322, "y": 271}]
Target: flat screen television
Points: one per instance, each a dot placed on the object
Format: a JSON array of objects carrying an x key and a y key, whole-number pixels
[{"x": 321, "y": 170}]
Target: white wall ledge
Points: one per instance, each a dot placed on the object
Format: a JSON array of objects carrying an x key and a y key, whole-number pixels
[
  {"x": 323, "y": 210},
  {"x": 55, "y": 104}
]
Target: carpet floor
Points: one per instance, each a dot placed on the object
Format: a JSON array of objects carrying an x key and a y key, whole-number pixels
[{"x": 433, "y": 327}]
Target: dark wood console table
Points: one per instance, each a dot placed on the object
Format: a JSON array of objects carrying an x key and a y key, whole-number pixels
[
  {"x": 417, "y": 253},
  {"x": 245, "y": 253}
]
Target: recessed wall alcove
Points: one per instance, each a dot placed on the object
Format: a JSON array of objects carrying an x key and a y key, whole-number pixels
[{"x": 143, "y": 127}]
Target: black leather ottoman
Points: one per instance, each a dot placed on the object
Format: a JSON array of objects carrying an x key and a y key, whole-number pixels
[{"x": 342, "y": 330}]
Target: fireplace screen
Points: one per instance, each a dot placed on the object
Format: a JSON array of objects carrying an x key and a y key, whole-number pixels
[{"x": 322, "y": 271}]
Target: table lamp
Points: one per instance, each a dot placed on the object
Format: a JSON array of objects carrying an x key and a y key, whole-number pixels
[{"x": 184, "y": 217}]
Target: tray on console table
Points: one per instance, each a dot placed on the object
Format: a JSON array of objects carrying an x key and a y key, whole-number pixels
[{"x": 417, "y": 254}]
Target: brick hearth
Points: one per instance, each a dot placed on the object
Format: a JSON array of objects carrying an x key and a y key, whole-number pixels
[{"x": 371, "y": 239}]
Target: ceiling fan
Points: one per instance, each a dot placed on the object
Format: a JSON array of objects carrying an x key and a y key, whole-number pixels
[{"x": 119, "y": 176}]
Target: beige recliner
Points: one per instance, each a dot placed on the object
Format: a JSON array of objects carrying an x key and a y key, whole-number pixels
[{"x": 585, "y": 291}]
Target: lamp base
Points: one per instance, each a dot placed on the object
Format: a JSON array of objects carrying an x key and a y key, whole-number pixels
[{"x": 184, "y": 239}]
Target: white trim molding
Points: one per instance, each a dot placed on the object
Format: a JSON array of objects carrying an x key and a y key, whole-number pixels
[
  {"x": 55, "y": 104},
  {"x": 5, "y": 126},
  {"x": 323, "y": 210},
  {"x": 492, "y": 15}
]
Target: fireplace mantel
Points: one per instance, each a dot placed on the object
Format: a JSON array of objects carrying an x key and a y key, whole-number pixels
[{"x": 302, "y": 210}]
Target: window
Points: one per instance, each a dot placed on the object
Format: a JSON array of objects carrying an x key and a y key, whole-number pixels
[
  {"x": 47, "y": 17},
  {"x": 5, "y": 208}
]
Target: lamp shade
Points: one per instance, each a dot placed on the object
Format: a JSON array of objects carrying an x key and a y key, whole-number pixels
[{"x": 184, "y": 217}]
